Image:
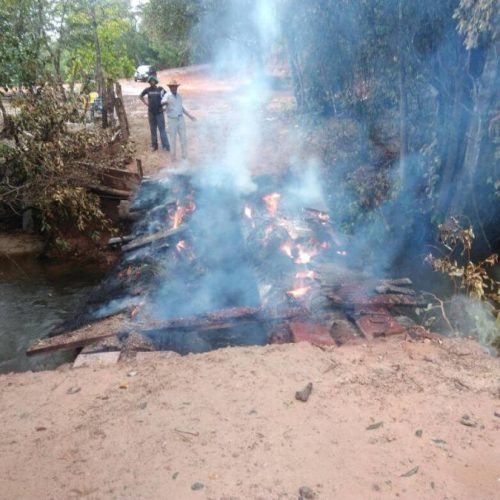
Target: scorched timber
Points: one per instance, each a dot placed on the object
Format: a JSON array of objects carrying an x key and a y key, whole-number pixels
[
  {"x": 109, "y": 327},
  {"x": 147, "y": 240},
  {"x": 121, "y": 324},
  {"x": 223, "y": 319}
]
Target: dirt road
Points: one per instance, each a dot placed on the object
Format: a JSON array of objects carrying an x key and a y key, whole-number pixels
[
  {"x": 392, "y": 420},
  {"x": 214, "y": 101}
]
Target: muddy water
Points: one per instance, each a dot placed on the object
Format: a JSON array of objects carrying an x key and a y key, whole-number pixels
[{"x": 35, "y": 297}]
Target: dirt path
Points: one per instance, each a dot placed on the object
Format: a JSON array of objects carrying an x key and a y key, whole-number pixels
[
  {"x": 227, "y": 422},
  {"x": 213, "y": 102}
]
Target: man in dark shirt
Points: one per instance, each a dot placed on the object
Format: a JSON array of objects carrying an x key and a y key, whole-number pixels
[{"x": 155, "y": 113}]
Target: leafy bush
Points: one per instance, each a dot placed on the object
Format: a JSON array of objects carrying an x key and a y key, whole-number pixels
[{"x": 50, "y": 161}]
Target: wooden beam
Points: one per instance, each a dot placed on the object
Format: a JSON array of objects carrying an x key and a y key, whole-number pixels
[
  {"x": 151, "y": 238},
  {"x": 121, "y": 324},
  {"x": 114, "y": 325}
]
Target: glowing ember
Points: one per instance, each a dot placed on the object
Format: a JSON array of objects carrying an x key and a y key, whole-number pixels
[
  {"x": 178, "y": 217},
  {"x": 287, "y": 249},
  {"x": 299, "y": 292},
  {"x": 272, "y": 201},
  {"x": 342, "y": 252},
  {"x": 248, "y": 211},
  {"x": 181, "y": 245}
]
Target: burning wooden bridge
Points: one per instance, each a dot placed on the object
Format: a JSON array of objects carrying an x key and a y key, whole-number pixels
[{"x": 204, "y": 268}]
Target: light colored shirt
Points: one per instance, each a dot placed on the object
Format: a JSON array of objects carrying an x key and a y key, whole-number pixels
[{"x": 174, "y": 105}]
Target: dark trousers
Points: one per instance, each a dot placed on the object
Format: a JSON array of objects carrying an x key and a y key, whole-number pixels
[{"x": 158, "y": 121}]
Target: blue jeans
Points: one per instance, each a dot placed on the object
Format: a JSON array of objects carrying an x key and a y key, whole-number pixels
[{"x": 158, "y": 121}]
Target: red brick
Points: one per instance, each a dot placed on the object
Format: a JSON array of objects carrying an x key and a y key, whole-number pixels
[
  {"x": 378, "y": 322},
  {"x": 309, "y": 331}
]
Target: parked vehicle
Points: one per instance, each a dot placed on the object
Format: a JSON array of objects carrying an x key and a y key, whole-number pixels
[{"x": 143, "y": 72}]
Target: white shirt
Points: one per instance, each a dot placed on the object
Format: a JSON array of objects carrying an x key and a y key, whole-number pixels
[{"x": 174, "y": 105}]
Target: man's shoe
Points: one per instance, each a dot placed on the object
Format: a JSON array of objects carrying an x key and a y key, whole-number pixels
[{"x": 154, "y": 148}]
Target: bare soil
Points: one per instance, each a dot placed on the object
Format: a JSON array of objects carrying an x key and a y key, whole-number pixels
[{"x": 392, "y": 419}]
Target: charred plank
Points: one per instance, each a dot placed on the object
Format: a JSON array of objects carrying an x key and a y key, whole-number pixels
[{"x": 152, "y": 238}]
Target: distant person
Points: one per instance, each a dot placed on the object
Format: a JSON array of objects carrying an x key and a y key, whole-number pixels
[
  {"x": 155, "y": 113},
  {"x": 93, "y": 101},
  {"x": 175, "y": 113}
]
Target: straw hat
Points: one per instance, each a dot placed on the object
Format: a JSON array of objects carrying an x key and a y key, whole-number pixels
[{"x": 173, "y": 83}]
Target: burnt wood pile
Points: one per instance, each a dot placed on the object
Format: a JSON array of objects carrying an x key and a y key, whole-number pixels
[{"x": 203, "y": 267}]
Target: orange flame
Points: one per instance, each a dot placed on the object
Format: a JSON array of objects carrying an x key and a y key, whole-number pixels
[
  {"x": 181, "y": 212},
  {"x": 178, "y": 217},
  {"x": 272, "y": 201},
  {"x": 304, "y": 256},
  {"x": 287, "y": 249}
]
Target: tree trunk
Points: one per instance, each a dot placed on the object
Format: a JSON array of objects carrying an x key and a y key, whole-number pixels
[
  {"x": 403, "y": 100},
  {"x": 99, "y": 76},
  {"x": 473, "y": 173}
]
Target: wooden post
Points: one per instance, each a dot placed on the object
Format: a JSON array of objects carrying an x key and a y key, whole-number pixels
[
  {"x": 109, "y": 101},
  {"x": 139, "y": 167},
  {"x": 122, "y": 118},
  {"x": 120, "y": 111}
]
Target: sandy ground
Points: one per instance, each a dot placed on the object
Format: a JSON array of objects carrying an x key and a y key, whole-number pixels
[{"x": 227, "y": 422}]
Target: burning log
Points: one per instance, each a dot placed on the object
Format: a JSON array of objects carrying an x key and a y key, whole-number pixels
[
  {"x": 148, "y": 240},
  {"x": 121, "y": 324}
]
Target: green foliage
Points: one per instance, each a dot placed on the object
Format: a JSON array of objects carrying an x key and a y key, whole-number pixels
[
  {"x": 21, "y": 43},
  {"x": 47, "y": 166},
  {"x": 475, "y": 18},
  {"x": 40, "y": 39},
  {"x": 474, "y": 278},
  {"x": 169, "y": 23}
]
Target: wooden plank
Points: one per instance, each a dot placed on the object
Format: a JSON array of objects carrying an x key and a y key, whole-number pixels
[
  {"x": 107, "y": 191},
  {"x": 121, "y": 324},
  {"x": 224, "y": 318},
  {"x": 151, "y": 238},
  {"x": 114, "y": 325}
]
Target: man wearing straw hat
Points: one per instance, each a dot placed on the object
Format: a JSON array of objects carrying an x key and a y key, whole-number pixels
[
  {"x": 175, "y": 113},
  {"x": 155, "y": 113}
]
